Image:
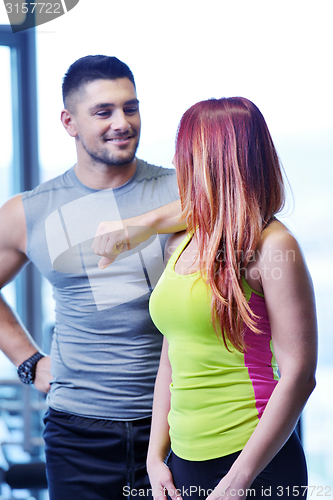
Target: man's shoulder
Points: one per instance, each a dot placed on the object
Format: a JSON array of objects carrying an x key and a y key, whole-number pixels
[
  {"x": 148, "y": 171},
  {"x": 56, "y": 183}
]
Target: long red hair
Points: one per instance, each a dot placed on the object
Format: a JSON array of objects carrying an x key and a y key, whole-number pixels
[{"x": 231, "y": 185}]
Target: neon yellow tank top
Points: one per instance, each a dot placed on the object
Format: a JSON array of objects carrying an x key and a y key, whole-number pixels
[{"x": 217, "y": 396}]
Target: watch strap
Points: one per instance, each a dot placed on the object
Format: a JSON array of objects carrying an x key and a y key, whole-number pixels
[{"x": 27, "y": 370}]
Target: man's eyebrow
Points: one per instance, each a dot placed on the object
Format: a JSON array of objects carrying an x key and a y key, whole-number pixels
[
  {"x": 131, "y": 102},
  {"x": 103, "y": 105}
]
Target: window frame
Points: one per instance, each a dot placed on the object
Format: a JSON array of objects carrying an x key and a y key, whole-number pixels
[{"x": 25, "y": 176}]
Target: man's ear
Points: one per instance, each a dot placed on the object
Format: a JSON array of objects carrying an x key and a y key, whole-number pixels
[{"x": 67, "y": 119}]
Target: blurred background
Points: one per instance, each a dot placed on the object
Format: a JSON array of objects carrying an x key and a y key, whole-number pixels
[{"x": 276, "y": 53}]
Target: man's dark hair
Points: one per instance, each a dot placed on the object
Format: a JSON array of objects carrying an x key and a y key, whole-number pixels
[{"x": 90, "y": 68}]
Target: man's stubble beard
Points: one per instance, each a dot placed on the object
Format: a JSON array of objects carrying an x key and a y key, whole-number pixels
[{"x": 111, "y": 159}]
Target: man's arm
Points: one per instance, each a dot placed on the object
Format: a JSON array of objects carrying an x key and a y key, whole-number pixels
[
  {"x": 16, "y": 343},
  {"x": 115, "y": 237}
]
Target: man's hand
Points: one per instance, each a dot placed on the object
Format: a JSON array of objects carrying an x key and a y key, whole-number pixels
[
  {"x": 43, "y": 374},
  {"x": 113, "y": 238}
]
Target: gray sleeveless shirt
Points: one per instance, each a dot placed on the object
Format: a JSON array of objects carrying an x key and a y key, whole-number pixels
[{"x": 105, "y": 349}]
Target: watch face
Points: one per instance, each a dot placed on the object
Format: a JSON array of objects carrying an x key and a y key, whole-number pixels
[{"x": 26, "y": 373}]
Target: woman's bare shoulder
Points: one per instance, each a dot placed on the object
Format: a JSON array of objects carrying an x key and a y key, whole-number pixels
[
  {"x": 276, "y": 237},
  {"x": 277, "y": 250}
]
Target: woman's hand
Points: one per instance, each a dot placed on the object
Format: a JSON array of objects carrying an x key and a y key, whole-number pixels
[
  {"x": 113, "y": 238},
  {"x": 161, "y": 481},
  {"x": 228, "y": 489}
]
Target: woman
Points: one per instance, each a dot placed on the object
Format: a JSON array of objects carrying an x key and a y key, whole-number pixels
[{"x": 236, "y": 307}]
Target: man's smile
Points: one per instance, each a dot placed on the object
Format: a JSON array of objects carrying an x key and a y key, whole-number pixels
[{"x": 120, "y": 140}]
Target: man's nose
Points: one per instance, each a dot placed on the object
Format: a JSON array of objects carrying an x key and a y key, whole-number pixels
[{"x": 119, "y": 122}]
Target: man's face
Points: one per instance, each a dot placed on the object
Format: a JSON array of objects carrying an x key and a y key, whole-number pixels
[{"x": 107, "y": 121}]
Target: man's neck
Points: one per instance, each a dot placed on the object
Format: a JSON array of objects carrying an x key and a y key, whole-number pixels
[{"x": 102, "y": 176}]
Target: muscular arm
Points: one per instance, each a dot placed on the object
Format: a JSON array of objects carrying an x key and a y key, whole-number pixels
[
  {"x": 112, "y": 238},
  {"x": 15, "y": 341},
  {"x": 290, "y": 304}
]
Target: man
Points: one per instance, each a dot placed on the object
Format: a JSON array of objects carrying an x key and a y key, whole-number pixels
[{"x": 105, "y": 350}]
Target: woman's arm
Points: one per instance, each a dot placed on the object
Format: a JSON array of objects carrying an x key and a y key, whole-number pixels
[
  {"x": 291, "y": 308},
  {"x": 159, "y": 444},
  {"x": 115, "y": 237}
]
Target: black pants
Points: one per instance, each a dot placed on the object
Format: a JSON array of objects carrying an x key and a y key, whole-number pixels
[
  {"x": 89, "y": 459},
  {"x": 285, "y": 477}
]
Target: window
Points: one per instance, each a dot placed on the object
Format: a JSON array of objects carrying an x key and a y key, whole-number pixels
[
  {"x": 6, "y": 171},
  {"x": 19, "y": 170}
]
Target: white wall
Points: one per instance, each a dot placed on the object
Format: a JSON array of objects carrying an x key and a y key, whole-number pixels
[{"x": 276, "y": 53}]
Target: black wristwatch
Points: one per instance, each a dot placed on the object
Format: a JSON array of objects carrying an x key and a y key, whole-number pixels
[{"x": 27, "y": 370}]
